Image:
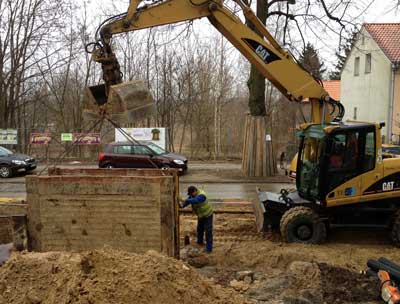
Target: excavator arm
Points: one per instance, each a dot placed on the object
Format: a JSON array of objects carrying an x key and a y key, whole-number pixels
[{"x": 265, "y": 53}]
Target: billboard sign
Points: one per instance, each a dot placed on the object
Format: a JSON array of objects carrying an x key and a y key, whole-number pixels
[
  {"x": 8, "y": 136},
  {"x": 66, "y": 136},
  {"x": 40, "y": 138},
  {"x": 154, "y": 135},
  {"x": 86, "y": 139}
]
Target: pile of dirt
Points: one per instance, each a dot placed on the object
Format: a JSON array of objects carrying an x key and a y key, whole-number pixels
[
  {"x": 106, "y": 276},
  {"x": 290, "y": 273},
  {"x": 342, "y": 285}
]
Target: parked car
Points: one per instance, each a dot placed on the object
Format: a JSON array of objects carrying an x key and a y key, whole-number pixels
[
  {"x": 293, "y": 167},
  {"x": 140, "y": 155},
  {"x": 12, "y": 163},
  {"x": 390, "y": 150}
]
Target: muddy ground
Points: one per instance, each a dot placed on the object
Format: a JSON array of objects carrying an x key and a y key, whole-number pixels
[{"x": 270, "y": 271}]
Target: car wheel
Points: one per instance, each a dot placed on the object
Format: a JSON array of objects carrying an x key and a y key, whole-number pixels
[
  {"x": 109, "y": 166},
  {"x": 5, "y": 171},
  {"x": 302, "y": 225},
  {"x": 165, "y": 167}
]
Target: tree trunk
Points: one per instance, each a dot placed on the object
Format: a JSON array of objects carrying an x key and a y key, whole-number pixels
[
  {"x": 258, "y": 158},
  {"x": 256, "y": 148}
]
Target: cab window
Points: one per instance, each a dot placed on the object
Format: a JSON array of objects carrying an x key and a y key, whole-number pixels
[
  {"x": 344, "y": 151},
  {"x": 351, "y": 153},
  {"x": 343, "y": 158},
  {"x": 369, "y": 158}
]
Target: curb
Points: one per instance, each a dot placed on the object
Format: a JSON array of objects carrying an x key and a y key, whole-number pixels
[{"x": 237, "y": 182}]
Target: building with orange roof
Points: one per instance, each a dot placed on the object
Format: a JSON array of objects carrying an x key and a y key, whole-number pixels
[
  {"x": 370, "y": 78},
  {"x": 333, "y": 88}
]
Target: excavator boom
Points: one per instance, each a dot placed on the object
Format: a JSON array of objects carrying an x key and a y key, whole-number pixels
[{"x": 272, "y": 61}]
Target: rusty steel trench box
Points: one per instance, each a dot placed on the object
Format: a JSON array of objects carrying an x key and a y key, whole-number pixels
[{"x": 86, "y": 209}]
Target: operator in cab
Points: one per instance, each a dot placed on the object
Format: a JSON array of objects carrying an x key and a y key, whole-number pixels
[{"x": 202, "y": 208}]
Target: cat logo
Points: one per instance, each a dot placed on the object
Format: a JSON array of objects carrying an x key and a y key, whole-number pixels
[
  {"x": 387, "y": 186},
  {"x": 261, "y": 50},
  {"x": 263, "y": 53}
]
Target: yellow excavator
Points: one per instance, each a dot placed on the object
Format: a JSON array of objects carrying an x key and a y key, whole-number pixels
[{"x": 341, "y": 176}]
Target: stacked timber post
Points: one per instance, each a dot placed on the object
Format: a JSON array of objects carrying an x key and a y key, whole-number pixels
[{"x": 258, "y": 156}]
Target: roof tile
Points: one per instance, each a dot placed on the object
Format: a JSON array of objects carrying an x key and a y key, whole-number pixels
[
  {"x": 333, "y": 88},
  {"x": 387, "y": 36}
]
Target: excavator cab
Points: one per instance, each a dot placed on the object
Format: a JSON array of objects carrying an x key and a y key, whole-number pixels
[
  {"x": 341, "y": 181},
  {"x": 333, "y": 157}
]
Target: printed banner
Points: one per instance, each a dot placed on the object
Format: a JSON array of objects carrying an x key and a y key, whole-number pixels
[
  {"x": 40, "y": 138},
  {"x": 157, "y": 135},
  {"x": 66, "y": 137},
  {"x": 8, "y": 136},
  {"x": 86, "y": 139},
  {"x": 141, "y": 133}
]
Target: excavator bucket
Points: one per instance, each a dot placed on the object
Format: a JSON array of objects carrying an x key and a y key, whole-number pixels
[{"x": 126, "y": 102}]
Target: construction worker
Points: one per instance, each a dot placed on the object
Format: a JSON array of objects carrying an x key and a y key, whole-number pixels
[
  {"x": 200, "y": 205},
  {"x": 282, "y": 160}
]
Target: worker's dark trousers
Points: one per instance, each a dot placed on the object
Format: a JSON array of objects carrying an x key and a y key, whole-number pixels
[{"x": 205, "y": 225}]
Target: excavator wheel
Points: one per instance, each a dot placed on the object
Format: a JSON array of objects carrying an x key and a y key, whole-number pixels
[
  {"x": 396, "y": 229},
  {"x": 302, "y": 225}
]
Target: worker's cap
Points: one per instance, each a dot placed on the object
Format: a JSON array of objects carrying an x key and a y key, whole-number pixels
[{"x": 191, "y": 190}]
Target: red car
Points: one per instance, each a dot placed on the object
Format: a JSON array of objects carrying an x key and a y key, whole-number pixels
[{"x": 140, "y": 155}]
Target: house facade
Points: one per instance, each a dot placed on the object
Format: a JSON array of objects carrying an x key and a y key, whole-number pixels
[{"x": 370, "y": 78}]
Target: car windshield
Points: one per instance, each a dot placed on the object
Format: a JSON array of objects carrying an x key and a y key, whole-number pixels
[
  {"x": 5, "y": 152},
  {"x": 156, "y": 149}
]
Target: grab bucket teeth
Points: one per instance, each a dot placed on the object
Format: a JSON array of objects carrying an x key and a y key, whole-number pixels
[{"x": 126, "y": 102}]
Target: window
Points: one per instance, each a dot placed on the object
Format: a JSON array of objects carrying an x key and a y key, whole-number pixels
[
  {"x": 357, "y": 66},
  {"x": 351, "y": 153},
  {"x": 368, "y": 63},
  {"x": 344, "y": 151},
  {"x": 362, "y": 39},
  {"x": 156, "y": 149},
  {"x": 343, "y": 159},
  {"x": 369, "y": 153},
  {"x": 309, "y": 165},
  {"x": 5, "y": 152},
  {"x": 142, "y": 150},
  {"x": 355, "y": 113},
  {"x": 122, "y": 149}
]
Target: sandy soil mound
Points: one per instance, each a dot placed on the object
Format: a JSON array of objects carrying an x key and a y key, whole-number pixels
[
  {"x": 106, "y": 276},
  {"x": 288, "y": 273}
]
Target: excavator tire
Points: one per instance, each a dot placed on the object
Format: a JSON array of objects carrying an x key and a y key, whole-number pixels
[
  {"x": 302, "y": 225},
  {"x": 396, "y": 229}
]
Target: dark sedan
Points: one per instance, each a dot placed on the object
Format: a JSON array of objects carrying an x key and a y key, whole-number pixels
[
  {"x": 140, "y": 155},
  {"x": 12, "y": 163}
]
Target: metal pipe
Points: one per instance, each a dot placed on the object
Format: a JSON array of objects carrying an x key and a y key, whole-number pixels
[
  {"x": 376, "y": 266},
  {"x": 389, "y": 263},
  {"x": 391, "y": 102}
]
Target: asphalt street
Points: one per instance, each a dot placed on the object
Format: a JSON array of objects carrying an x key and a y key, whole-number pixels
[{"x": 217, "y": 190}]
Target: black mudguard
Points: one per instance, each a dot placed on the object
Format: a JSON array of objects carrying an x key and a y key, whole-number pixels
[{"x": 270, "y": 207}]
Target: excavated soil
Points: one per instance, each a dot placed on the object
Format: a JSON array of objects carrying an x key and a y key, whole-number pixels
[
  {"x": 289, "y": 273},
  {"x": 106, "y": 276},
  {"x": 243, "y": 268}
]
